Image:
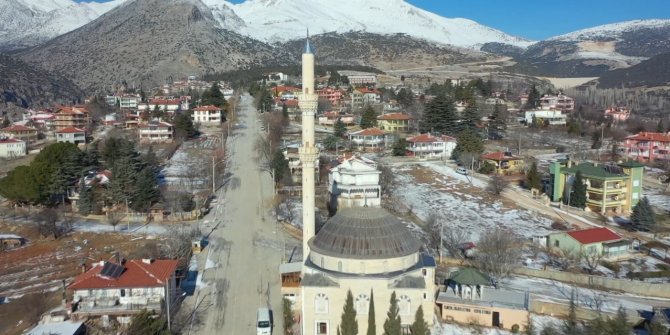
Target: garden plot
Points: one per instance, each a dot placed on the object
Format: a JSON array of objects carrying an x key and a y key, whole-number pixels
[{"x": 434, "y": 189}]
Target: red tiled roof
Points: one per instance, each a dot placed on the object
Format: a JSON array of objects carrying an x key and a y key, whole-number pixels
[
  {"x": 369, "y": 132},
  {"x": 594, "y": 235},
  {"x": 68, "y": 110},
  {"x": 156, "y": 124},
  {"x": 290, "y": 103},
  {"x": 499, "y": 156},
  {"x": 136, "y": 274},
  {"x": 207, "y": 108},
  {"x": 70, "y": 130},
  {"x": 9, "y": 140},
  {"x": 645, "y": 136},
  {"x": 279, "y": 89},
  {"x": 164, "y": 101},
  {"x": 428, "y": 138},
  {"x": 365, "y": 90},
  {"x": 17, "y": 127},
  {"x": 394, "y": 116}
]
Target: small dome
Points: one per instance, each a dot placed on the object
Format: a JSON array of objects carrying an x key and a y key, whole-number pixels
[{"x": 367, "y": 233}]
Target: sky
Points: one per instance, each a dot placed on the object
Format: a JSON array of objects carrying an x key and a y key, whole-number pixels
[{"x": 542, "y": 19}]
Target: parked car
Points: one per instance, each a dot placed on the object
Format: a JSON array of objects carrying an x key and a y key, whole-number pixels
[{"x": 461, "y": 170}]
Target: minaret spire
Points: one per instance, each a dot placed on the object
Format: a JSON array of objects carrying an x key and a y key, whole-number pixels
[{"x": 309, "y": 153}]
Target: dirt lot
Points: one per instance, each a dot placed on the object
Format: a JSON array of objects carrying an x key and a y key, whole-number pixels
[{"x": 31, "y": 277}]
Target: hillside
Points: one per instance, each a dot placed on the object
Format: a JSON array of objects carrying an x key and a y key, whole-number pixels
[
  {"x": 385, "y": 52},
  {"x": 652, "y": 72},
  {"x": 24, "y": 85},
  {"x": 147, "y": 42}
]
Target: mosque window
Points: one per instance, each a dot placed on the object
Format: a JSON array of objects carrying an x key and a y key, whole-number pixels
[
  {"x": 362, "y": 304},
  {"x": 321, "y": 303},
  {"x": 405, "y": 305}
]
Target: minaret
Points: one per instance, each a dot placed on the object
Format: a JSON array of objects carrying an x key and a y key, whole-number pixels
[{"x": 308, "y": 151}]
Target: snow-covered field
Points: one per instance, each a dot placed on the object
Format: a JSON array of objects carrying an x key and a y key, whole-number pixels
[{"x": 432, "y": 188}]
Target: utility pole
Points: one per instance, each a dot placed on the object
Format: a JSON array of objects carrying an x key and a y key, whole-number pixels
[
  {"x": 127, "y": 217},
  {"x": 167, "y": 302},
  {"x": 213, "y": 175}
]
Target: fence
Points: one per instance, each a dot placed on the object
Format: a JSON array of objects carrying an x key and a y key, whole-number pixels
[{"x": 660, "y": 290}]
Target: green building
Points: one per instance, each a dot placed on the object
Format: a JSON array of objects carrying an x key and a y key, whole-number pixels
[{"x": 610, "y": 188}]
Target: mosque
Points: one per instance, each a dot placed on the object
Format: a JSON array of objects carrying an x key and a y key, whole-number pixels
[{"x": 363, "y": 249}]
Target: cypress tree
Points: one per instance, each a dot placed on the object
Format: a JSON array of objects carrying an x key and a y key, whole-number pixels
[
  {"x": 533, "y": 177},
  {"x": 578, "y": 196},
  {"x": 372, "y": 326},
  {"x": 339, "y": 128},
  {"x": 643, "y": 217},
  {"x": 85, "y": 199},
  {"x": 570, "y": 325},
  {"x": 419, "y": 327},
  {"x": 392, "y": 323},
  {"x": 618, "y": 325},
  {"x": 349, "y": 325},
  {"x": 368, "y": 119}
]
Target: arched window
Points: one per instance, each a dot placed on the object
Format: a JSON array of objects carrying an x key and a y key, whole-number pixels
[
  {"x": 321, "y": 304},
  {"x": 362, "y": 304},
  {"x": 405, "y": 305}
]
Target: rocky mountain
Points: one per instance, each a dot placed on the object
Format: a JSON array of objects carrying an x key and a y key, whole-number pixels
[
  {"x": 25, "y": 23},
  {"x": 652, "y": 72},
  {"x": 146, "y": 42},
  {"x": 24, "y": 85},
  {"x": 386, "y": 52},
  {"x": 282, "y": 20},
  {"x": 591, "y": 52}
]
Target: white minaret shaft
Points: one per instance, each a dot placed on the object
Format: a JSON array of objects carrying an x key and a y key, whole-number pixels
[{"x": 308, "y": 152}]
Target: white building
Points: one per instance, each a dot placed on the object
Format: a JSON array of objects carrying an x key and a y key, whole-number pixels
[
  {"x": 124, "y": 289},
  {"x": 207, "y": 115},
  {"x": 71, "y": 135},
  {"x": 428, "y": 146},
  {"x": 354, "y": 182},
  {"x": 156, "y": 132},
  {"x": 551, "y": 117},
  {"x": 369, "y": 139},
  {"x": 558, "y": 102},
  {"x": 12, "y": 148},
  {"x": 359, "y": 78},
  {"x": 129, "y": 101}
]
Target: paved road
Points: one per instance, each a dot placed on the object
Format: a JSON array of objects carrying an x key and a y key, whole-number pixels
[{"x": 244, "y": 250}]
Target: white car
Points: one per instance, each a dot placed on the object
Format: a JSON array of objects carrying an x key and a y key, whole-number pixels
[{"x": 461, "y": 170}]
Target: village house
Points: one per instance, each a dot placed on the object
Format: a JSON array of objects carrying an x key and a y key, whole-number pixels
[
  {"x": 394, "y": 122},
  {"x": 124, "y": 288},
  {"x": 291, "y": 107},
  {"x": 71, "y": 135},
  {"x": 504, "y": 162},
  {"x": 19, "y": 132},
  {"x": 332, "y": 95},
  {"x": 286, "y": 92},
  {"x": 546, "y": 117},
  {"x": 11, "y": 148},
  {"x": 370, "y": 139},
  {"x": 558, "y": 102},
  {"x": 354, "y": 182},
  {"x": 11, "y": 241},
  {"x": 67, "y": 327},
  {"x": 429, "y": 146},
  {"x": 617, "y": 114},
  {"x": 610, "y": 188},
  {"x": 470, "y": 297},
  {"x": 647, "y": 146},
  {"x": 357, "y": 78},
  {"x": 207, "y": 115},
  {"x": 123, "y": 100},
  {"x": 169, "y": 105},
  {"x": 42, "y": 120},
  {"x": 330, "y": 118},
  {"x": 591, "y": 241},
  {"x": 66, "y": 117},
  {"x": 494, "y": 101},
  {"x": 91, "y": 179},
  {"x": 156, "y": 132},
  {"x": 369, "y": 96}
]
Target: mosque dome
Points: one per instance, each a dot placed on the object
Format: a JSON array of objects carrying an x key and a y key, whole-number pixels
[{"x": 364, "y": 233}]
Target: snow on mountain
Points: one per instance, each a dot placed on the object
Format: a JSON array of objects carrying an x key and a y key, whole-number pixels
[
  {"x": 24, "y": 23},
  {"x": 613, "y": 30},
  {"x": 282, "y": 20}
]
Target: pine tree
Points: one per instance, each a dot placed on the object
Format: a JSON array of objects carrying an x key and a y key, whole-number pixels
[
  {"x": 497, "y": 123},
  {"x": 372, "y": 326},
  {"x": 643, "y": 217},
  {"x": 183, "y": 126},
  {"x": 349, "y": 325},
  {"x": 146, "y": 190},
  {"x": 533, "y": 97},
  {"x": 470, "y": 116},
  {"x": 660, "y": 127},
  {"x": 419, "y": 327},
  {"x": 655, "y": 328},
  {"x": 289, "y": 321},
  {"x": 279, "y": 165},
  {"x": 468, "y": 141},
  {"x": 440, "y": 116},
  {"x": 533, "y": 177},
  {"x": 213, "y": 96},
  {"x": 339, "y": 128},
  {"x": 578, "y": 196},
  {"x": 85, "y": 199},
  {"x": 618, "y": 325},
  {"x": 392, "y": 323},
  {"x": 368, "y": 119},
  {"x": 529, "y": 329},
  {"x": 400, "y": 147}
]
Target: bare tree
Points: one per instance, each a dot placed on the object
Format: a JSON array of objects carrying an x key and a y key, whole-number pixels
[
  {"x": 497, "y": 184},
  {"x": 453, "y": 239},
  {"x": 46, "y": 222},
  {"x": 564, "y": 258},
  {"x": 433, "y": 226},
  {"x": 498, "y": 252},
  {"x": 591, "y": 259},
  {"x": 386, "y": 180},
  {"x": 114, "y": 218},
  {"x": 178, "y": 242}
]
